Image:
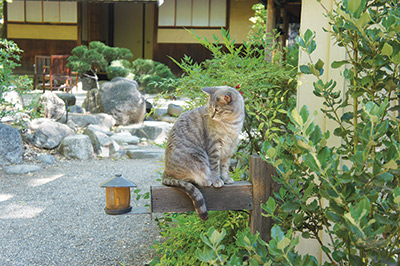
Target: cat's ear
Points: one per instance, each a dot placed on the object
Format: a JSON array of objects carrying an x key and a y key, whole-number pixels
[{"x": 209, "y": 90}]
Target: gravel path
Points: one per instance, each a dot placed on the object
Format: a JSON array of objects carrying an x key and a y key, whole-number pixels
[{"x": 56, "y": 216}]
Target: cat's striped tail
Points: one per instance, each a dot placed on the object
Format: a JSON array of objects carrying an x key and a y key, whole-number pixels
[{"x": 192, "y": 191}]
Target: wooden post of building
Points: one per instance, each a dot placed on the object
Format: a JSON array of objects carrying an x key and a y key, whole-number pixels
[
  {"x": 261, "y": 179},
  {"x": 270, "y": 28},
  {"x": 270, "y": 16}
]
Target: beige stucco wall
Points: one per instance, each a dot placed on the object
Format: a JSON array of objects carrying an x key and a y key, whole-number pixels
[
  {"x": 43, "y": 32},
  {"x": 239, "y": 26},
  {"x": 312, "y": 18}
]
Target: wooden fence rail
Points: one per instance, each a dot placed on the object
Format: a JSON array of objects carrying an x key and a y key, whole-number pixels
[{"x": 240, "y": 195}]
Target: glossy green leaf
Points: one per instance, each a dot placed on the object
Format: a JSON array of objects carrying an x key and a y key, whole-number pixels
[
  {"x": 387, "y": 49},
  {"x": 305, "y": 69},
  {"x": 337, "y": 64},
  {"x": 295, "y": 116},
  {"x": 338, "y": 255},
  {"x": 354, "y": 5},
  {"x": 290, "y": 206},
  {"x": 363, "y": 20}
]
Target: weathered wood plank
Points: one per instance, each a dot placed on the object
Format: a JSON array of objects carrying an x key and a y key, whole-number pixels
[
  {"x": 260, "y": 177},
  {"x": 236, "y": 196}
]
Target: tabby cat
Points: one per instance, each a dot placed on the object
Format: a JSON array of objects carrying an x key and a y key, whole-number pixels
[{"x": 201, "y": 143}]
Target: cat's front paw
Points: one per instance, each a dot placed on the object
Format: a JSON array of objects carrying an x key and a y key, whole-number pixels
[
  {"x": 207, "y": 183},
  {"x": 228, "y": 180},
  {"x": 218, "y": 183}
]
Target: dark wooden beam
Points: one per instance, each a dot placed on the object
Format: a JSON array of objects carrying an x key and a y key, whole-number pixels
[
  {"x": 261, "y": 177},
  {"x": 236, "y": 196}
]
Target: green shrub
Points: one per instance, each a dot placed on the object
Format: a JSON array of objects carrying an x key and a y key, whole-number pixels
[
  {"x": 119, "y": 68},
  {"x": 149, "y": 75},
  {"x": 88, "y": 61},
  {"x": 181, "y": 235},
  {"x": 349, "y": 191},
  {"x": 251, "y": 250}
]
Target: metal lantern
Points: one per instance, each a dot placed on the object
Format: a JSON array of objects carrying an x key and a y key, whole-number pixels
[{"x": 118, "y": 195}]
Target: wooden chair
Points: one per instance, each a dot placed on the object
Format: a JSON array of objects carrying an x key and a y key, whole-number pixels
[
  {"x": 58, "y": 71},
  {"x": 40, "y": 62}
]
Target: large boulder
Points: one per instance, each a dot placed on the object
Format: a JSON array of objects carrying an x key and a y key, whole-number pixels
[
  {"x": 120, "y": 98},
  {"x": 48, "y": 134},
  {"x": 54, "y": 107},
  {"x": 10, "y": 145},
  {"x": 77, "y": 147}
]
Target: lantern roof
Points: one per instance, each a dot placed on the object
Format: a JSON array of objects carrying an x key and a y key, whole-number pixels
[{"x": 117, "y": 181}]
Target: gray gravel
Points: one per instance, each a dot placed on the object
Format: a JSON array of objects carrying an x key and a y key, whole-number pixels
[{"x": 56, "y": 216}]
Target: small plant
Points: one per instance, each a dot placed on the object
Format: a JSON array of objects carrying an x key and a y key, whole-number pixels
[
  {"x": 251, "y": 250},
  {"x": 182, "y": 235},
  {"x": 9, "y": 60},
  {"x": 88, "y": 61}
]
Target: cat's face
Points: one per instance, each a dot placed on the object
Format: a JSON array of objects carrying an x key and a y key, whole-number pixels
[{"x": 224, "y": 102}]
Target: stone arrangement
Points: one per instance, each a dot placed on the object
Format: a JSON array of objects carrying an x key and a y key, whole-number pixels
[{"x": 115, "y": 127}]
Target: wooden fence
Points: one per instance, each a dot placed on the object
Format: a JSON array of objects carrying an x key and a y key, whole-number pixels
[{"x": 240, "y": 195}]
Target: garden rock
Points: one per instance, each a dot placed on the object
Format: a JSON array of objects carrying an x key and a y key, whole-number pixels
[
  {"x": 76, "y": 110},
  {"x": 168, "y": 119},
  {"x": 109, "y": 148},
  {"x": 104, "y": 121},
  {"x": 103, "y": 145},
  {"x": 14, "y": 98},
  {"x": 54, "y": 107},
  {"x": 48, "y": 134},
  {"x": 77, "y": 147},
  {"x": 10, "y": 145},
  {"x": 47, "y": 159},
  {"x": 125, "y": 138},
  {"x": 160, "y": 112},
  {"x": 19, "y": 116},
  {"x": 68, "y": 98},
  {"x": 88, "y": 83},
  {"x": 92, "y": 102},
  {"x": 121, "y": 98},
  {"x": 100, "y": 129},
  {"x": 174, "y": 110},
  {"x": 135, "y": 154},
  {"x": 152, "y": 130},
  {"x": 21, "y": 169}
]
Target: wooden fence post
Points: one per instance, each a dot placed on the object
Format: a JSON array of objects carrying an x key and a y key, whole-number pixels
[{"x": 261, "y": 179}]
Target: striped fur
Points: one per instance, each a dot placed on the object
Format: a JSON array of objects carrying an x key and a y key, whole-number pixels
[
  {"x": 193, "y": 193},
  {"x": 201, "y": 143}
]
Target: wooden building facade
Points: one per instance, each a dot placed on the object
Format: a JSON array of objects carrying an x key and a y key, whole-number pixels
[{"x": 149, "y": 28}]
